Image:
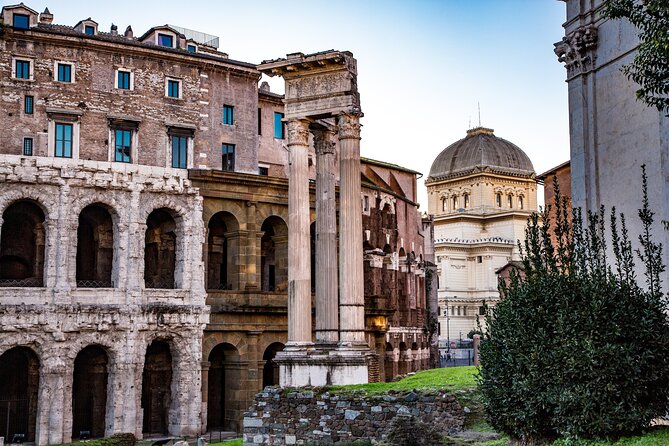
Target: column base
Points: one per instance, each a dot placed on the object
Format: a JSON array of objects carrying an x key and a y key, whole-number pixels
[{"x": 316, "y": 367}]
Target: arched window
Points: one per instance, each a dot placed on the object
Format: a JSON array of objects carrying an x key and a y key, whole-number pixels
[
  {"x": 160, "y": 250},
  {"x": 443, "y": 204},
  {"x": 509, "y": 200},
  {"x": 498, "y": 199},
  {"x": 455, "y": 202},
  {"x": 95, "y": 248},
  {"x": 466, "y": 200},
  {"x": 22, "y": 245},
  {"x": 521, "y": 205}
]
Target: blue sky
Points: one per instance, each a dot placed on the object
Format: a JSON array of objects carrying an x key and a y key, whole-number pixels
[{"x": 423, "y": 65}]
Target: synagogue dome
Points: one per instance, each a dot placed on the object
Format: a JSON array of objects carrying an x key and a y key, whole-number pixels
[{"x": 480, "y": 151}]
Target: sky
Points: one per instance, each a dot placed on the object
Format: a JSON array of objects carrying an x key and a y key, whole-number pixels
[{"x": 424, "y": 67}]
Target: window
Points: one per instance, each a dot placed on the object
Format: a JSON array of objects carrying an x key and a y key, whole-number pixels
[
  {"x": 63, "y": 147},
  {"x": 509, "y": 201},
  {"x": 481, "y": 311},
  {"x": 466, "y": 197},
  {"x": 123, "y": 80},
  {"x": 228, "y": 151},
  {"x": 90, "y": 30},
  {"x": 228, "y": 115},
  {"x": 22, "y": 69},
  {"x": 259, "y": 122},
  {"x": 21, "y": 21},
  {"x": 454, "y": 202},
  {"x": 365, "y": 205},
  {"x": 64, "y": 72},
  {"x": 179, "y": 152},
  {"x": 191, "y": 48},
  {"x": 28, "y": 105},
  {"x": 166, "y": 40},
  {"x": 498, "y": 199},
  {"x": 122, "y": 146},
  {"x": 173, "y": 88},
  {"x": 278, "y": 125},
  {"x": 479, "y": 259},
  {"x": 264, "y": 171},
  {"x": 27, "y": 146},
  {"x": 521, "y": 205},
  {"x": 443, "y": 204}
]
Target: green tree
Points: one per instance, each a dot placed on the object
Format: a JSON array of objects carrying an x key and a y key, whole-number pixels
[
  {"x": 577, "y": 348},
  {"x": 650, "y": 68}
]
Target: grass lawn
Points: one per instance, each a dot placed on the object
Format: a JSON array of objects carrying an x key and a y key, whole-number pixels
[{"x": 237, "y": 442}]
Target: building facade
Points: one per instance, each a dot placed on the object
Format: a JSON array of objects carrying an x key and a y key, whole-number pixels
[
  {"x": 481, "y": 190},
  {"x": 144, "y": 236}
]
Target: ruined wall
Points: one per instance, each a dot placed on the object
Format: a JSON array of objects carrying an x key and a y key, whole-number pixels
[{"x": 306, "y": 417}]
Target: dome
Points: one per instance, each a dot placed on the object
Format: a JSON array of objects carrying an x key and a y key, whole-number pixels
[{"x": 481, "y": 151}]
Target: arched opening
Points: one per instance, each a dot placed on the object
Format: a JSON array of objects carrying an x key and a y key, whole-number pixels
[
  {"x": 19, "y": 384},
  {"x": 454, "y": 202},
  {"x": 466, "y": 201},
  {"x": 157, "y": 388},
  {"x": 270, "y": 373},
  {"x": 89, "y": 393},
  {"x": 221, "y": 252},
  {"x": 521, "y": 203},
  {"x": 95, "y": 248},
  {"x": 22, "y": 245},
  {"x": 498, "y": 199},
  {"x": 160, "y": 250},
  {"x": 274, "y": 255},
  {"x": 390, "y": 363},
  {"x": 224, "y": 377},
  {"x": 509, "y": 200},
  {"x": 414, "y": 357}
]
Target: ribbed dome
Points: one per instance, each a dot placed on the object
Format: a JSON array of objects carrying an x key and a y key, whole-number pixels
[{"x": 480, "y": 150}]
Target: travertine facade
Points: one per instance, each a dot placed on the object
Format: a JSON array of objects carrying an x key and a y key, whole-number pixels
[{"x": 144, "y": 262}]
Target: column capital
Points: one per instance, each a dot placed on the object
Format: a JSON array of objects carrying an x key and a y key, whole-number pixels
[
  {"x": 324, "y": 142},
  {"x": 349, "y": 126},
  {"x": 298, "y": 132}
]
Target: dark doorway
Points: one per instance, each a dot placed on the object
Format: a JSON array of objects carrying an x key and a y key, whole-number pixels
[
  {"x": 19, "y": 384},
  {"x": 270, "y": 373},
  {"x": 220, "y": 267},
  {"x": 156, "y": 388},
  {"x": 160, "y": 250},
  {"x": 22, "y": 245},
  {"x": 223, "y": 383},
  {"x": 95, "y": 248},
  {"x": 274, "y": 255},
  {"x": 89, "y": 393}
]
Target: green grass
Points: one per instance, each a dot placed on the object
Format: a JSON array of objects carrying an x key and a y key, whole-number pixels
[
  {"x": 451, "y": 378},
  {"x": 236, "y": 442}
]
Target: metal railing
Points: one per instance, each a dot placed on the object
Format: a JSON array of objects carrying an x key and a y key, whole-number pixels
[
  {"x": 94, "y": 284},
  {"x": 159, "y": 283},
  {"x": 22, "y": 283}
]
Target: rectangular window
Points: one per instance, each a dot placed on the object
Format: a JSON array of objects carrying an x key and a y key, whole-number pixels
[
  {"x": 365, "y": 206},
  {"x": 173, "y": 88},
  {"x": 228, "y": 151},
  {"x": 123, "y": 80},
  {"x": 179, "y": 152},
  {"x": 165, "y": 40},
  {"x": 278, "y": 125},
  {"x": 479, "y": 259},
  {"x": 21, "y": 21},
  {"x": 28, "y": 105},
  {"x": 228, "y": 115},
  {"x": 63, "y": 140},
  {"x": 481, "y": 311},
  {"x": 259, "y": 122},
  {"x": 22, "y": 69},
  {"x": 122, "y": 146},
  {"x": 27, "y": 146},
  {"x": 264, "y": 171},
  {"x": 90, "y": 30},
  {"x": 64, "y": 72},
  {"x": 191, "y": 48}
]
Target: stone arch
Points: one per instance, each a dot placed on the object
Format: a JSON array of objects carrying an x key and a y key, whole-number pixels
[
  {"x": 274, "y": 254},
  {"x": 19, "y": 387},
  {"x": 157, "y": 387},
  {"x": 29, "y": 193},
  {"x": 160, "y": 249},
  {"x": 22, "y": 244},
  {"x": 233, "y": 208},
  {"x": 270, "y": 375},
  {"x": 95, "y": 247},
  {"x": 266, "y": 211},
  {"x": 223, "y": 389},
  {"x": 223, "y": 252},
  {"x": 89, "y": 392}
]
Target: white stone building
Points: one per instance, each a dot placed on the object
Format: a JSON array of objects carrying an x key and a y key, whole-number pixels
[{"x": 481, "y": 190}]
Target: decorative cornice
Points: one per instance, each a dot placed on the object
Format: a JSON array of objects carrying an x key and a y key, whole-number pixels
[
  {"x": 349, "y": 126},
  {"x": 577, "y": 50},
  {"x": 298, "y": 132}
]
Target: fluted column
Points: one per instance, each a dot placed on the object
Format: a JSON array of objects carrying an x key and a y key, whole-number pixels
[
  {"x": 299, "y": 257},
  {"x": 351, "y": 297},
  {"x": 327, "y": 318}
]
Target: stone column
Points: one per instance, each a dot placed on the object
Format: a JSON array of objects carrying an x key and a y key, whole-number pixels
[
  {"x": 327, "y": 317},
  {"x": 351, "y": 297},
  {"x": 299, "y": 262}
]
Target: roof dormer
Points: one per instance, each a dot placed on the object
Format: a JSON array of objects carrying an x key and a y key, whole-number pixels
[
  {"x": 164, "y": 36},
  {"x": 19, "y": 16},
  {"x": 87, "y": 26}
]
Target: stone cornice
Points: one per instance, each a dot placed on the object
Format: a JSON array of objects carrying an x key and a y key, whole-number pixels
[
  {"x": 577, "y": 50},
  {"x": 481, "y": 170}
]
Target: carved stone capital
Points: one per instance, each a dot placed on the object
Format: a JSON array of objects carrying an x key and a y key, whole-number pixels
[
  {"x": 324, "y": 142},
  {"x": 577, "y": 50},
  {"x": 349, "y": 126},
  {"x": 298, "y": 132}
]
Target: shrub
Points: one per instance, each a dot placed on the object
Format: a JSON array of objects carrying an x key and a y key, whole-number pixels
[{"x": 577, "y": 348}]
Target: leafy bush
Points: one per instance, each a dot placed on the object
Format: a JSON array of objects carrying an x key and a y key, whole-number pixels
[{"x": 577, "y": 348}]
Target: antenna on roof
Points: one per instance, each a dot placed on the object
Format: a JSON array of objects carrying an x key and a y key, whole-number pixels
[{"x": 479, "y": 104}]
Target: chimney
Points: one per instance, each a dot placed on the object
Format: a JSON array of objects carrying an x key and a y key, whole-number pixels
[
  {"x": 264, "y": 87},
  {"x": 128, "y": 32},
  {"x": 46, "y": 16},
  {"x": 114, "y": 30}
]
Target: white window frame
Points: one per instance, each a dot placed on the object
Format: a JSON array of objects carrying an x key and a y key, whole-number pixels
[
  {"x": 181, "y": 90},
  {"x": 132, "y": 79},
  {"x": 197, "y": 48},
  {"x": 32, "y": 68},
  {"x": 134, "y": 145},
  {"x": 51, "y": 146},
  {"x": 72, "y": 65},
  {"x": 190, "y": 152},
  {"x": 166, "y": 33}
]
